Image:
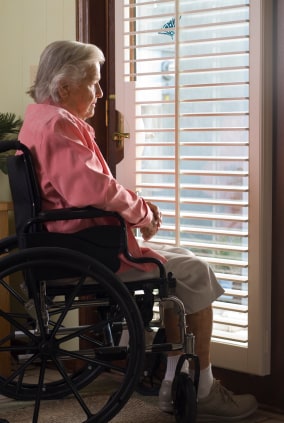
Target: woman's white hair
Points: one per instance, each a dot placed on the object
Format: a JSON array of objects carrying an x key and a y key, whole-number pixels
[{"x": 63, "y": 60}]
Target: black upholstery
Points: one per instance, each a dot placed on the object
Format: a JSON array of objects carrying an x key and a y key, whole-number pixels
[{"x": 24, "y": 187}]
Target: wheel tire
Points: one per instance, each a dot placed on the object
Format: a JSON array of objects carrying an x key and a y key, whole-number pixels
[{"x": 184, "y": 399}]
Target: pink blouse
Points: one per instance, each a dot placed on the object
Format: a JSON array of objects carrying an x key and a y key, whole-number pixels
[{"x": 73, "y": 173}]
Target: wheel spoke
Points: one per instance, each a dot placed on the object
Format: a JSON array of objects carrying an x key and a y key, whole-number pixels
[{"x": 72, "y": 387}]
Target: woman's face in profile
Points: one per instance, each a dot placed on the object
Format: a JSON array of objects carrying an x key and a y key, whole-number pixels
[{"x": 81, "y": 99}]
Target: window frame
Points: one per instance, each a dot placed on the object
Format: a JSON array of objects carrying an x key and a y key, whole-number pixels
[{"x": 256, "y": 358}]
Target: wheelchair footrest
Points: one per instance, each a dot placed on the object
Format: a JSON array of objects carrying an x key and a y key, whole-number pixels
[
  {"x": 112, "y": 353},
  {"x": 156, "y": 348}
]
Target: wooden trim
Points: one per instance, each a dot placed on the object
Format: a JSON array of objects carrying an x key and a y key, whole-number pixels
[
  {"x": 6, "y": 206},
  {"x": 95, "y": 25},
  {"x": 82, "y": 20}
]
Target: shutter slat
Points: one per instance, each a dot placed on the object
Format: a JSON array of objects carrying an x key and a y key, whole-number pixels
[{"x": 201, "y": 187}]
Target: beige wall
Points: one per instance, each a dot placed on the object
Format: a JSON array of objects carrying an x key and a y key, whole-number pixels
[{"x": 26, "y": 27}]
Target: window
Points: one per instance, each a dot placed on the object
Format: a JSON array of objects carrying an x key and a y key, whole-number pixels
[{"x": 190, "y": 81}]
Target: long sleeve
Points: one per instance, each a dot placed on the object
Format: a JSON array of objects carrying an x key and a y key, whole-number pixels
[
  {"x": 71, "y": 168},
  {"x": 79, "y": 174}
]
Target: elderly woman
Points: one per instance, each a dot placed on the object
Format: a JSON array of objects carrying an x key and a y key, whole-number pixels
[{"x": 73, "y": 173}]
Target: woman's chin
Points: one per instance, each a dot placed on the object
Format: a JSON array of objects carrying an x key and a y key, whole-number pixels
[{"x": 89, "y": 115}]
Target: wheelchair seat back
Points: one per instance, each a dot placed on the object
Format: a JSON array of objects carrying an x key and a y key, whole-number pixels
[
  {"x": 102, "y": 242},
  {"x": 24, "y": 188}
]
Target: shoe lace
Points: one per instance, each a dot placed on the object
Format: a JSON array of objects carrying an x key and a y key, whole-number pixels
[{"x": 224, "y": 392}]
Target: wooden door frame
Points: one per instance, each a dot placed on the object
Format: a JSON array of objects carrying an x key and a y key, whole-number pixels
[
  {"x": 95, "y": 25},
  {"x": 101, "y": 14}
]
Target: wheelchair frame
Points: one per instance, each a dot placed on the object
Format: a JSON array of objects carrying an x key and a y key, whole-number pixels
[{"x": 47, "y": 279}]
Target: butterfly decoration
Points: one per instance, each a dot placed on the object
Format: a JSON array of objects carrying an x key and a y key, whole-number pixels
[{"x": 169, "y": 28}]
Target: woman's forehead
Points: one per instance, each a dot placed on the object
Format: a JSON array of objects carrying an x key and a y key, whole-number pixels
[{"x": 94, "y": 72}]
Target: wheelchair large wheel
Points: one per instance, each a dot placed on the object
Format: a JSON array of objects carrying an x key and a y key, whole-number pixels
[{"x": 44, "y": 289}]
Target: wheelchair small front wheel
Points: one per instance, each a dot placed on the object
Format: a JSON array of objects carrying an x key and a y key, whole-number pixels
[{"x": 184, "y": 399}]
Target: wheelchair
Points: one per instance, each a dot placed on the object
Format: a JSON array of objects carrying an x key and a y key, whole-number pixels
[{"x": 69, "y": 313}]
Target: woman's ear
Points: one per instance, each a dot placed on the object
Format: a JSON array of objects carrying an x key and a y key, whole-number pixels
[{"x": 63, "y": 91}]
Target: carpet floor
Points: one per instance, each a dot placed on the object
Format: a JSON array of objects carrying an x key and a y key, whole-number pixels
[
  {"x": 139, "y": 408},
  {"x": 66, "y": 411}
]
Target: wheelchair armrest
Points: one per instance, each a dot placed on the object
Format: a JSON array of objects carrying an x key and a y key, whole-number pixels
[
  {"x": 93, "y": 212},
  {"x": 72, "y": 213},
  {"x": 6, "y": 145},
  {"x": 141, "y": 260}
]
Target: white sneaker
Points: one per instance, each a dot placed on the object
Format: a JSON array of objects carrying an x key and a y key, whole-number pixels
[{"x": 220, "y": 404}]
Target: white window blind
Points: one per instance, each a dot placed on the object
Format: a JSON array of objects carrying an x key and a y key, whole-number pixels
[{"x": 190, "y": 82}]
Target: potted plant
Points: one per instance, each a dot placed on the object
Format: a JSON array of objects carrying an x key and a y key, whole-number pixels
[{"x": 9, "y": 129}]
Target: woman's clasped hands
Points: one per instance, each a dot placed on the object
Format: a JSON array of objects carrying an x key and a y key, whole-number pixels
[{"x": 149, "y": 231}]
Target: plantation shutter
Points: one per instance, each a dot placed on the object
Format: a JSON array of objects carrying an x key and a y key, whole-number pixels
[{"x": 191, "y": 85}]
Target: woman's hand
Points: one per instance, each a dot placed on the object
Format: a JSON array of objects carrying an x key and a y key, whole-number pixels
[
  {"x": 156, "y": 213},
  {"x": 149, "y": 231}
]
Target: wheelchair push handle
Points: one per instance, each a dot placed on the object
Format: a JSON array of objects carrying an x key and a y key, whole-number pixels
[{"x": 6, "y": 145}]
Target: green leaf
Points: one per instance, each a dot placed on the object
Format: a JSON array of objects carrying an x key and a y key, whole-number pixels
[{"x": 9, "y": 124}]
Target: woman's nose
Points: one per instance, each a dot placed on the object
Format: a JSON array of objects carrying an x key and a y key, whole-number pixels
[{"x": 99, "y": 91}]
